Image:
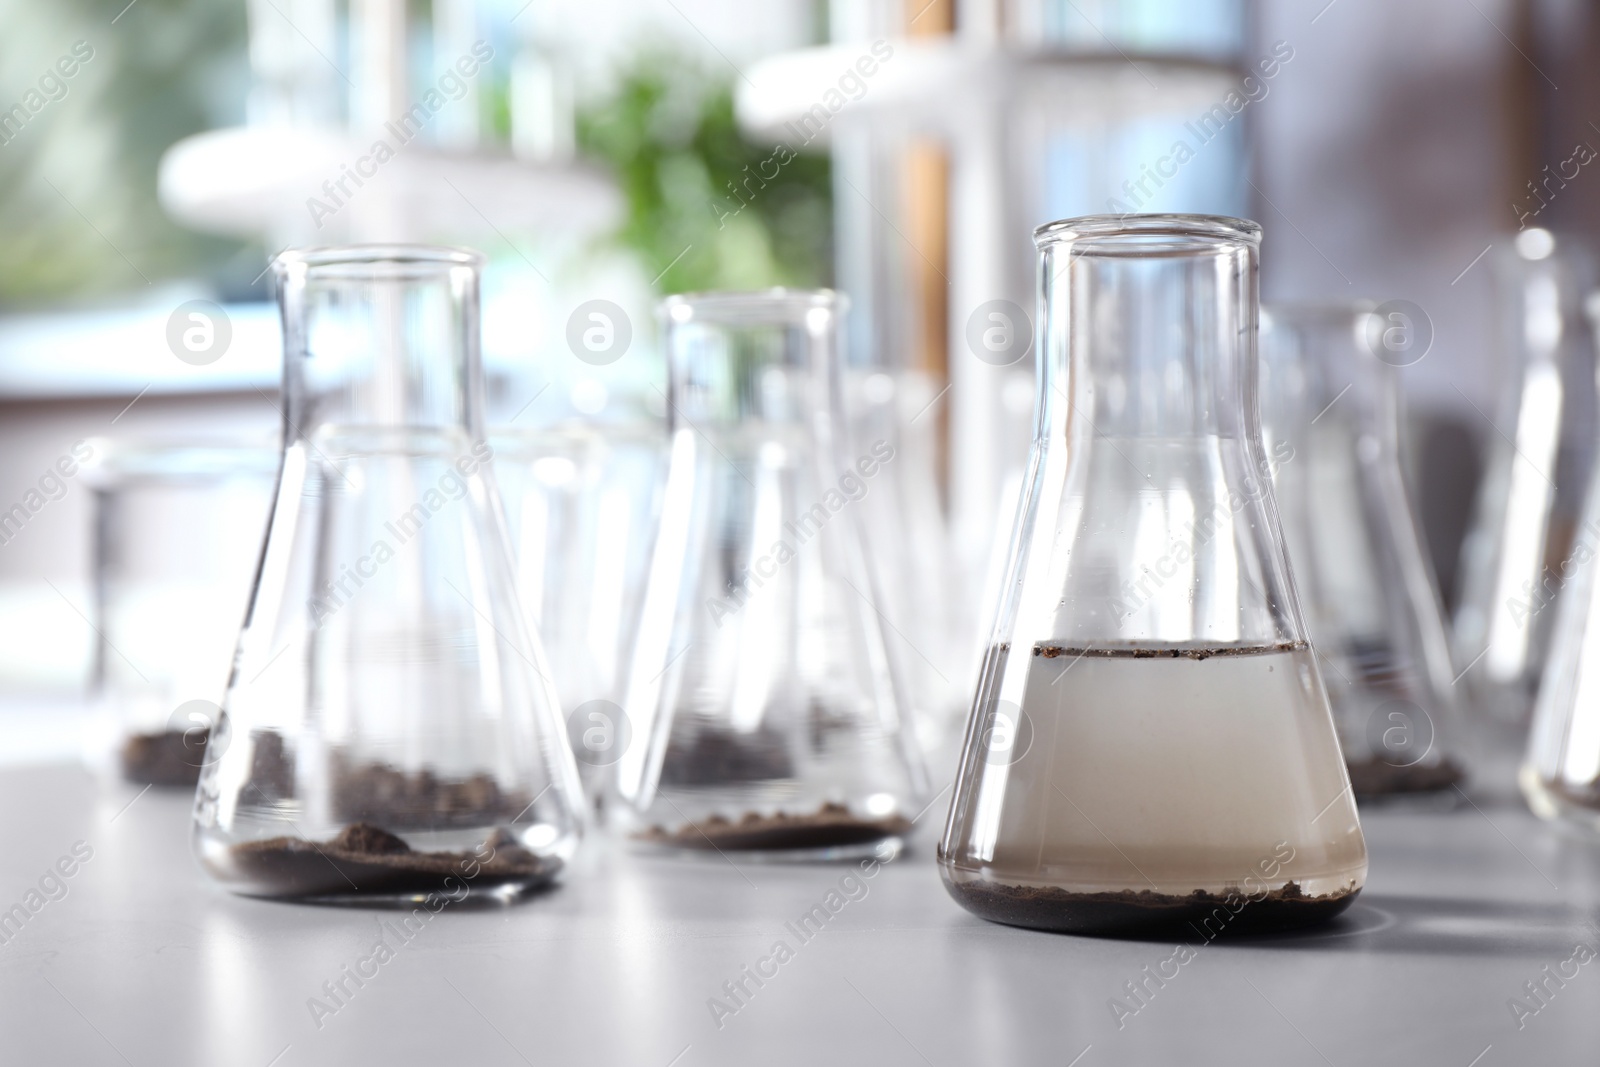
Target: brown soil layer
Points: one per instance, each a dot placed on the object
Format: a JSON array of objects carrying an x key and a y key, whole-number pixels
[
  {"x": 1375, "y": 778},
  {"x": 1180, "y": 652},
  {"x": 714, "y": 756},
  {"x": 172, "y": 758},
  {"x": 367, "y": 861},
  {"x": 830, "y": 826},
  {"x": 419, "y": 800},
  {"x": 1203, "y": 914}
]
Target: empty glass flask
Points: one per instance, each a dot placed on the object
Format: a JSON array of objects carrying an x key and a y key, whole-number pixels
[
  {"x": 1331, "y": 419},
  {"x": 1150, "y": 745},
  {"x": 1560, "y": 774},
  {"x": 769, "y": 710},
  {"x": 389, "y": 729},
  {"x": 177, "y": 530},
  {"x": 1519, "y": 550}
]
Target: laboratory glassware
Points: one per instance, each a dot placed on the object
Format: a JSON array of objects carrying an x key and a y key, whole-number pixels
[
  {"x": 772, "y": 710},
  {"x": 1518, "y": 551},
  {"x": 176, "y": 531},
  {"x": 390, "y": 730},
  {"x": 1331, "y": 422},
  {"x": 1560, "y": 773},
  {"x": 1150, "y": 744}
]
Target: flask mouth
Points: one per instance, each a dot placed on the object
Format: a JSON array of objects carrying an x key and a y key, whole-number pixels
[
  {"x": 1148, "y": 235},
  {"x": 375, "y": 261},
  {"x": 752, "y": 307}
]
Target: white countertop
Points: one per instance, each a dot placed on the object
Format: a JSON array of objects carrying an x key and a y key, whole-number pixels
[{"x": 144, "y": 962}]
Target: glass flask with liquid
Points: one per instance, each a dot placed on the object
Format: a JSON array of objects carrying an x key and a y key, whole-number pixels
[
  {"x": 768, "y": 711},
  {"x": 1150, "y": 744},
  {"x": 390, "y": 730},
  {"x": 1518, "y": 552},
  {"x": 1330, "y": 413},
  {"x": 1560, "y": 773}
]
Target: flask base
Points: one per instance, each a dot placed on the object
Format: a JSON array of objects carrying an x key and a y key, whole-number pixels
[
  {"x": 1145, "y": 913},
  {"x": 832, "y": 832},
  {"x": 367, "y": 865}
]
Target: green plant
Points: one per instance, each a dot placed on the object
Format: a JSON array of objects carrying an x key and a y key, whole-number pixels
[{"x": 707, "y": 207}]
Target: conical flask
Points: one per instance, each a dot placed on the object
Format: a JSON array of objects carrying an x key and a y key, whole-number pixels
[
  {"x": 1560, "y": 774},
  {"x": 389, "y": 728},
  {"x": 768, "y": 710},
  {"x": 1331, "y": 420},
  {"x": 1150, "y": 745},
  {"x": 1518, "y": 550}
]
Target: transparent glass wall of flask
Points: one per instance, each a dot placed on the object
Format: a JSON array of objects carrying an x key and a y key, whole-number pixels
[
  {"x": 908, "y": 541},
  {"x": 177, "y": 533},
  {"x": 1541, "y": 455},
  {"x": 582, "y": 502},
  {"x": 1331, "y": 419},
  {"x": 1150, "y": 744},
  {"x": 390, "y": 729},
  {"x": 1560, "y": 773},
  {"x": 772, "y": 710}
]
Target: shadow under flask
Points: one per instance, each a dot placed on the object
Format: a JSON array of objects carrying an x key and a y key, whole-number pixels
[
  {"x": 768, "y": 712},
  {"x": 1330, "y": 403},
  {"x": 1150, "y": 745},
  {"x": 389, "y": 729}
]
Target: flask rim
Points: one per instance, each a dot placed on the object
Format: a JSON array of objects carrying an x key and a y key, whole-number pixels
[
  {"x": 1147, "y": 234},
  {"x": 750, "y": 307},
  {"x": 358, "y": 260}
]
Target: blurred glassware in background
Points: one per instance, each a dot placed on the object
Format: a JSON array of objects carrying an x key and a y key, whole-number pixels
[
  {"x": 963, "y": 131},
  {"x": 1330, "y": 412},
  {"x": 1150, "y": 731},
  {"x": 390, "y": 730},
  {"x": 908, "y": 540},
  {"x": 1518, "y": 551},
  {"x": 771, "y": 713},
  {"x": 177, "y": 536},
  {"x": 1560, "y": 773},
  {"x": 582, "y": 501}
]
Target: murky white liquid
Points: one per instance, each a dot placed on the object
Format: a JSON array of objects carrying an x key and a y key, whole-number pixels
[{"x": 1172, "y": 774}]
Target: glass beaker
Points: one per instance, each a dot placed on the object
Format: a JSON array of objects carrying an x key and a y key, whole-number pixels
[
  {"x": 1560, "y": 773},
  {"x": 389, "y": 729},
  {"x": 1518, "y": 550},
  {"x": 1331, "y": 420},
  {"x": 177, "y": 530},
  {"x": 772, "y": 709},
  {"x": 1150, "y": 744}
]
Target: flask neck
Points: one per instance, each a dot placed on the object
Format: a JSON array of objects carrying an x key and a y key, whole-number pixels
[
  {"x": 382, "y": 342},
  {"x": 1150, "y": 338},
  {"x": 754, "y": 365}
]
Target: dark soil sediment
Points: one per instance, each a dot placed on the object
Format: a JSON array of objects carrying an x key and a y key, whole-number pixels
[
  {"x": 1375, "y": 778},
  {"x": 830, "y": 826},
  {"x": 366, "y": 860},
  {"x": 1147, "y": 912},
  {"x": 170, "y": 758}
]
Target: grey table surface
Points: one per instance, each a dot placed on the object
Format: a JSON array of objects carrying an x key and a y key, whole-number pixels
[{"x": 142, "y": 961}]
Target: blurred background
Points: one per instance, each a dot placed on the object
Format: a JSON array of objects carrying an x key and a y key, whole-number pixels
[{"x": 154, "y": 157}]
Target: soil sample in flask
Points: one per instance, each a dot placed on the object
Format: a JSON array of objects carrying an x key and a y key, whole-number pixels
[
  {"x": 767, "y": 707},
  {"x": 1151, "y": 746},
  {"x": 1331, "y": 423},
  {"x": 390, "y": 731}
]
